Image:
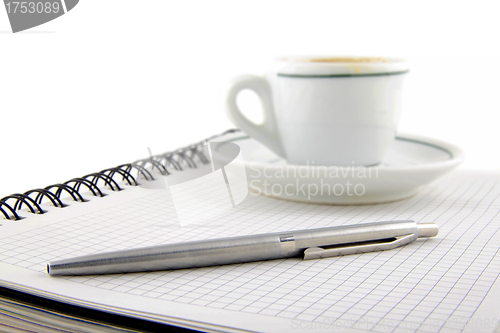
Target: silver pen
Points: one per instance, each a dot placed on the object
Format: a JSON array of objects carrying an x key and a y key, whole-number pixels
[{"x": 310, "y": 243}]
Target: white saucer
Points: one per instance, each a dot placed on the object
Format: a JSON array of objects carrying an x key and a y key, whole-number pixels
[{"x": 412, "y": 162}]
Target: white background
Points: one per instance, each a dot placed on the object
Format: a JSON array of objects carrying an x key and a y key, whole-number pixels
[{"x": 97, "y": 86}]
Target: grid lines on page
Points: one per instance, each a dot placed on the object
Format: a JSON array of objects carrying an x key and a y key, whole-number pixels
[{"x": 432, "y": 285}]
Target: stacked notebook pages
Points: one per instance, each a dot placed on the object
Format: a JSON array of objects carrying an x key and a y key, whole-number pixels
[
  {"x": 443, "y": 284},
  {"x": 26, "y": 312}
]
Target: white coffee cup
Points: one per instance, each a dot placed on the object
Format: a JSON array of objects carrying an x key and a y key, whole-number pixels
[{"x": 325, "y": 110}]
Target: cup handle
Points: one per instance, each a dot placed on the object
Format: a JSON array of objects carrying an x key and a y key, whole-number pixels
[{"x": 267, "y": 132}]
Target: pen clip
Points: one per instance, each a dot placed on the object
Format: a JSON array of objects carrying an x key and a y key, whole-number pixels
[{"x": 359, "y": 247}]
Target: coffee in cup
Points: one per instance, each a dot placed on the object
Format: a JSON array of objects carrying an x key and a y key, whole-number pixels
[{"x": 325, "y": 110}]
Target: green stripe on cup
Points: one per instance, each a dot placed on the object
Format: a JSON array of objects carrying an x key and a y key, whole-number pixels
[{"x": 321, "y": 76}]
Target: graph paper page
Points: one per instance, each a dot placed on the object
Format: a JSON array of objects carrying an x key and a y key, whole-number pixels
[{"x": 430, "y": 285}]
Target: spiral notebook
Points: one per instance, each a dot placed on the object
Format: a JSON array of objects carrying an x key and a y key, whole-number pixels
[{"x": 444, "y": 284}]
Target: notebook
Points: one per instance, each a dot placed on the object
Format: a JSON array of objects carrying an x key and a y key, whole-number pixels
[{"x": 443, "y": 284}]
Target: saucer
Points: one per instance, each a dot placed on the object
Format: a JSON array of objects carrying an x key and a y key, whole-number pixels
[{"x": 411, "y": 162}]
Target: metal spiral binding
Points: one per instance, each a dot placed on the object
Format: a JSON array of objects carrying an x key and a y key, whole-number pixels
[{"x": 187, "y": 156}]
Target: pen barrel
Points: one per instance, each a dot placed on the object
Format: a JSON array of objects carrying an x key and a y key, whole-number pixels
[
  {"x": 233, "y": 250},
  {"x": 174, "y": 256},
  {"x": 354, "y": 234}
]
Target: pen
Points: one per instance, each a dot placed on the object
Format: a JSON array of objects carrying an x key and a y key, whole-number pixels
[{"x": 309, "y": 243}]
